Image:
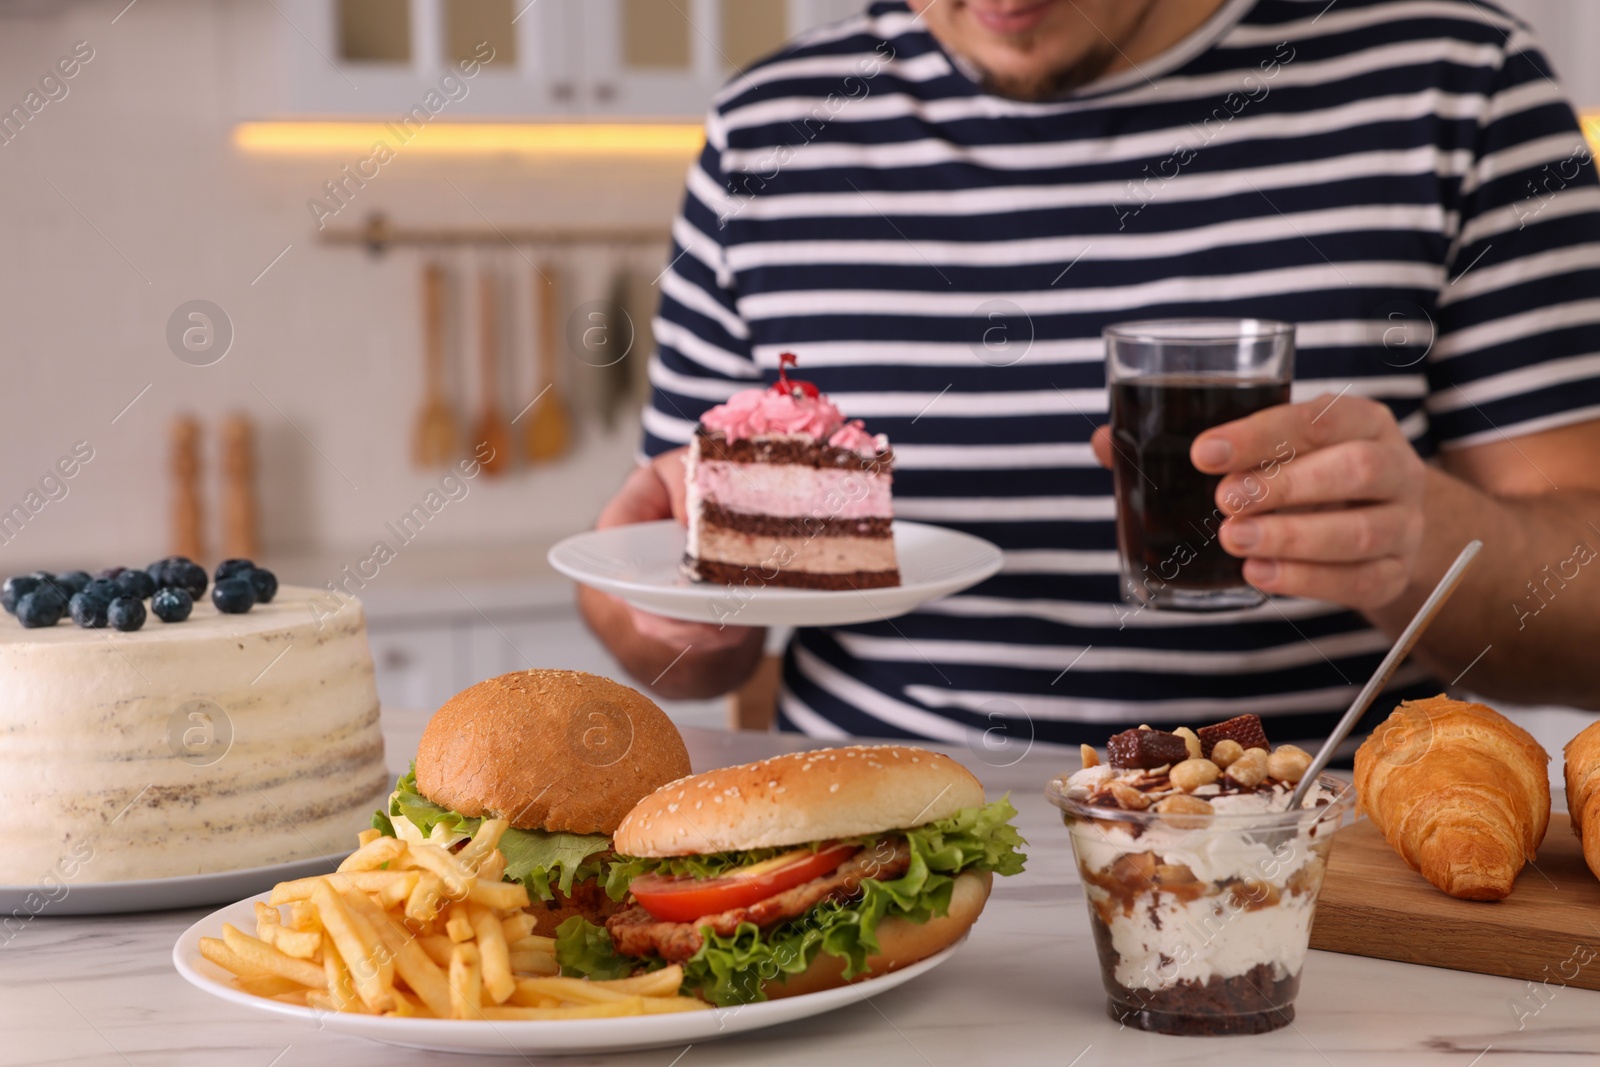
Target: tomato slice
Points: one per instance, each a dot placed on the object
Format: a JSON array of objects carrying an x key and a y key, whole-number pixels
[{"x": 684, "y": 899}]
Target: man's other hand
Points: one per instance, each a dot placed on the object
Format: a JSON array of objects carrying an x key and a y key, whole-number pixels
[{"x": 1324, "y": 498}]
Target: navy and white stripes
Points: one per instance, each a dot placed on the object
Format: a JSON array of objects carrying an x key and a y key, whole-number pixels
[{"x": 1401, "y": 178}]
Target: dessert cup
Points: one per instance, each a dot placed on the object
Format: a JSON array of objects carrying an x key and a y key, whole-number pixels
[{"x": 1202, "y": 921}]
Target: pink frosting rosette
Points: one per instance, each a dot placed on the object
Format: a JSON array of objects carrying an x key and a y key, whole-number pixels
[
  {"x": 854, "y": 436},
  {"x": 755, "y": 412},
  {"x": 789, "y": 406}
]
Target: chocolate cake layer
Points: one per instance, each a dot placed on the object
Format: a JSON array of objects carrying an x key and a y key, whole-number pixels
[
  {"x": 792, "y": 451},
  {"x": 734, "y": 574},
  {"x": 715, "y": 514},
  {"x": 1243, "y": 1004},
  {"x": 1255, "y": 1002}
]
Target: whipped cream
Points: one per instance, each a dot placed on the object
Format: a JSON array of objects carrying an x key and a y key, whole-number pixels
[
  {"x": 1250, "y": 900},
  {"x": 1174, "y": 941}
]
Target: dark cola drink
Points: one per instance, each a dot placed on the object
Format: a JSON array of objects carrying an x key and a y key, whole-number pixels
[{"x": 1167, "y": 513}]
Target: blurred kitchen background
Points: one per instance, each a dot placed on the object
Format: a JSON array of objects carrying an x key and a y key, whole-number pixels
[{"x": 192, "y": 155}]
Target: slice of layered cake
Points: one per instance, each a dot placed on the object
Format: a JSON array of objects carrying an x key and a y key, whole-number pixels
[{"x": 783, "y": 490}]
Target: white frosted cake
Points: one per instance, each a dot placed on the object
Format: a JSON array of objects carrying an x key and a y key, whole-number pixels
[{"x": 218, "y": 743}]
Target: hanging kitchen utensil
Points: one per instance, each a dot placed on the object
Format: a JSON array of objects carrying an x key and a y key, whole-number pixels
[
  {"x": 491, "y": 439},
  {"x": 188, "y": 507},
  {"x": 240, "y": 511},
  {"x": 548, "y": 433},
  {"x": 434, "y": 441},
  {"x": 613, "y": 360},
  {"x": 643, "y": 298}
]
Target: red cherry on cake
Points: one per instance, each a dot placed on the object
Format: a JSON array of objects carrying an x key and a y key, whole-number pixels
[{"x": 792, "y": 386}]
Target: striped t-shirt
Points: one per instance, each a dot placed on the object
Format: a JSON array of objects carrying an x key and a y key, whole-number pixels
[{"x": 1400, "y": 178}]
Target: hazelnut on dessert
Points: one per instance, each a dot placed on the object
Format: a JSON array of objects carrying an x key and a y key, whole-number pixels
[
  {"x": 1175, "y": 873},
  {"x": 1288, "y": 763},
  {"x": 1191, "y": 739},
  {"x": 1191, "y": 774},
  {"x": 1183, "y": 804},
  {"x": 1225, "y": 752},
  {"x": 1127, "y": 796},
  {"x": 1090, "y": 757},
  {"x": 1250, "y": 769}
]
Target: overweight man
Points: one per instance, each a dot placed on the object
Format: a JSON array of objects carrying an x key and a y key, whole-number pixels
[{"x": 939, "y": 204}]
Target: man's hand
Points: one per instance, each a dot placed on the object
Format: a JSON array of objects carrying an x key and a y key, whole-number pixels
[
  {"x": 654, "y": 492},
  {"x": 1324, "y": 498}
]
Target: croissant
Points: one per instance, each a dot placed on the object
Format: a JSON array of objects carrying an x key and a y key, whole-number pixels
[
  {"x": 1583, "y": 791},
  {"x": 1459, "y": 790}
]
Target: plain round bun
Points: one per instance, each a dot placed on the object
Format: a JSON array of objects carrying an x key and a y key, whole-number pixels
[
  {"x": 900, "y": 942},
  {"x": 798, "y": 798},
  {"x": 548, "y": 750}
]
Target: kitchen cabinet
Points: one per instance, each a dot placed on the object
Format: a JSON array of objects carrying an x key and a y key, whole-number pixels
[
  {"x": 416, "y": 668},
  {"x": 550, "y": 58},
  {"x": 335, "y": 61}
]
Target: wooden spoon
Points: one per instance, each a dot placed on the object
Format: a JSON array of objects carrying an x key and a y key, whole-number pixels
[
  {"x": 188, "y": 538},
  {"x": 548, "y": 434},
  {"x": 492, "y": 430},
  {"x": 434, "y": 442},
  {"x": 613, "y": 372},
  {"x": 240, "y": 510}
]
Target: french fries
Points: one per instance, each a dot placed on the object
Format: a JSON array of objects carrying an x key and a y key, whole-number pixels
[
  {"x": 301, "y": 944},
  {"x": 495, "y": 957},
  {"x": 416, "y": 931},
  {"x": 377, "y": 853},
  {"x": 482, "y": 844},
  {"x": 518, "y": 926},
  {"x": 466, "y": 983},
  {"x": 263, "y": 957},
  {"x": 540, "y": 963}
]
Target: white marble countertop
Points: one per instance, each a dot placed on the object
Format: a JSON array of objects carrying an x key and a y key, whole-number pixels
[{"x": 1025, "y": 989}]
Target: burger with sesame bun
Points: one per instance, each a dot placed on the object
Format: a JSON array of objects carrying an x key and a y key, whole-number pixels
[
  {"x": 559, "y": 755},
  {"x": 797, "y": 873}
]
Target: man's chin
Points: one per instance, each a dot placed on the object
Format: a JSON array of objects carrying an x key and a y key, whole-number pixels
[{"x": 1036, "y": 81}]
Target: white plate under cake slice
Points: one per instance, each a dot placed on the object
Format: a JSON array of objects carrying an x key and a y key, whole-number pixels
[{"x": 642, "y": 564}]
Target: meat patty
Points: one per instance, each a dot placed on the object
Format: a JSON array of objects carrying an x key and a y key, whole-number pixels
[
  {"x": 636, "y": 932},
  {"x": 588, "y": 898}
]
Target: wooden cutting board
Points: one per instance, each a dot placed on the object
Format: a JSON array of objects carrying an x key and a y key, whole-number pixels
[{"x": 1547, "y": 930}]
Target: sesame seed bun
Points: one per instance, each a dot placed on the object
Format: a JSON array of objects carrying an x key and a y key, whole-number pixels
[
  {"x": 562, "y": 751},
  {"x": 794, "y": 799}
]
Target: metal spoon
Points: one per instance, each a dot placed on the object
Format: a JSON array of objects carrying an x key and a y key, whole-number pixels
[{"x": 1380, "y": 678}]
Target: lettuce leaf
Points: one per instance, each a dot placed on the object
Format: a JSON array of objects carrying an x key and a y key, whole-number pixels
[
  {"x": 730, "y": 969},
  {"x": 540, "y": 860},
  {"x": 589, "y": 951}
]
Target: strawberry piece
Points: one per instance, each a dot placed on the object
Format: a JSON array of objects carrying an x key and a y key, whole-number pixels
[
  {"x": 1245, "y": 729},
  {"x": 1145, "y": 748}
]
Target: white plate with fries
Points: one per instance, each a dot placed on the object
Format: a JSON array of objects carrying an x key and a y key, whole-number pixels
[{"x": 413, "y": 945}]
